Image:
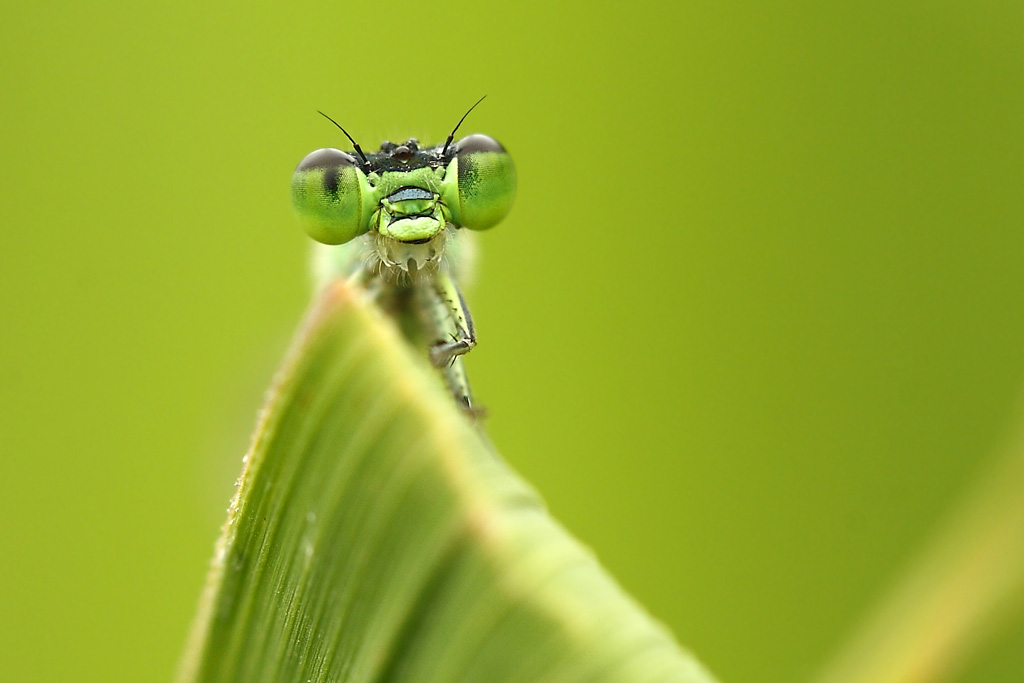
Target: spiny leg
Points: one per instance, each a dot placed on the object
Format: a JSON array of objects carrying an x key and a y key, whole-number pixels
[
  {"x": 463, "y": 339},
  {"x": 446, "y": 318}
]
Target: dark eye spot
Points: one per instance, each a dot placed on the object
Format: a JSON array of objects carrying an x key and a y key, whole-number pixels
[{"x": 331, "y": 180}]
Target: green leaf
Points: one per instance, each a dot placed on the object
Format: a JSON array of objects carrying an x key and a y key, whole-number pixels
[{"x": 376, "y": 536}]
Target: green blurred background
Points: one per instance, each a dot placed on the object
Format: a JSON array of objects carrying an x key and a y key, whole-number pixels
[{"x": 753, "y": 324}]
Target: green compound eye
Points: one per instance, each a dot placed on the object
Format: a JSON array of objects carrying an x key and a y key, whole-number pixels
[
  {"x": 331, "y": 196},
  {"x": 486, "y": 183}
]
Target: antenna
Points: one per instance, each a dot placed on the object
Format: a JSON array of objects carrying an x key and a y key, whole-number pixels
[
  {"x": 354, "y": 143},
  {"x": 452, "y": 135}
]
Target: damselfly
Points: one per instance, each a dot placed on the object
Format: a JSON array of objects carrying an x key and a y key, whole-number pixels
[{"x": 397, "y": 219}]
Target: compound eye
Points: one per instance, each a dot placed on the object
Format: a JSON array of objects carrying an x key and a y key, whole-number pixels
[
  {"x": 486, "y": 182},
  {"x": 327, "y": 193}
]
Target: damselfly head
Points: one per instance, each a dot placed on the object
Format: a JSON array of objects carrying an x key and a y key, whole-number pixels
[{"x": 404, "y": 193}]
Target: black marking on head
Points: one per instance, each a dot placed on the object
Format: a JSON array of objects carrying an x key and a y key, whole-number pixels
[
  {"x": 404, "y": 157},
  {"x": 391, "y": 160}
]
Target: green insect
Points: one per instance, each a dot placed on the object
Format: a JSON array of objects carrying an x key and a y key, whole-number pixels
[{"x": 397, "y": 221}]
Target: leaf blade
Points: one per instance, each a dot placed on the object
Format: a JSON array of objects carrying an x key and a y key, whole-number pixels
[{"x": 376, "y": 536}]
